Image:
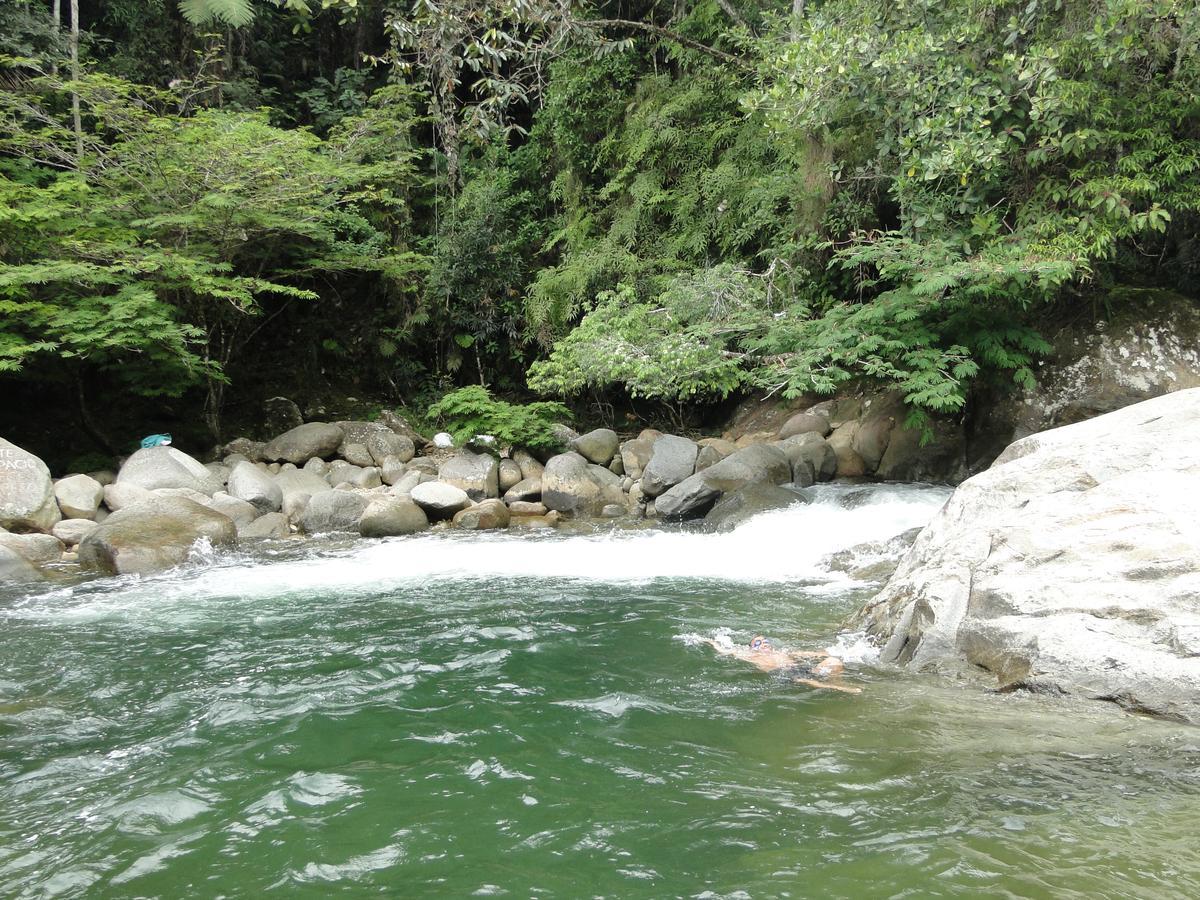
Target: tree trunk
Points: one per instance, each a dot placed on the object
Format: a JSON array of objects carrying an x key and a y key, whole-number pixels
[
  {"x": 797, "y": 16},
  {"x": 76, "y": 119},
  {"x": 56, "y": 14}
]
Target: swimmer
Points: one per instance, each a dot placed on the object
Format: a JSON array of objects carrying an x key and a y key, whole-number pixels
[{"x": 803, "y": 666}]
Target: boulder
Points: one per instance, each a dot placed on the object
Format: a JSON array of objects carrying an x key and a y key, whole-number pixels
[
  {"x": 475, "y": 473},
  {"x": 152, "y": 468},
  {"x": 635, "y": 455},
  {"x": 302, "y": 443},
  {"x": 483, "y": 516},
  {"x": 597, "y": 446},
  {"x": 672, "y": 459},
  {"x": 153, "y": 535},
  {"x": 391, "y": 470},
  {"x": 708, "y": 456},
  {"x": 242, "y": 512},
  {"x": 573, "y": 486},
  {"x": 26, "y": 492},
  {"x": 245, "y": 448},
  {"x": 279, "y": 414},
  {"x": 389, "y": 445},
  {"x": 118, "y": 496},
  {"x": 1146, "y": 343},
  {"x": 744, "y": 504},
  {"x": 811, "y": 456},
  {"x": 357, "y": 455},
  {"x": 272, "y": 526},
  {"x": 849, "y": 463},
  {"x": 690, "y": 498},
  {"x": 805, "y": 423},
  {"x": 250, "y": 483},
  {"x": 943, "y": 457},
  {"x": 440, "y": 500},
  {"x": 37, "y": 549},
  {"x": 443, "y": 440},
  {"x": 15, "y": 569},
  {"x": 401, "y": 426},
  {"x": 185, "y": 493},
  {"x": 408, "y": 481},
  {"x": 527, "y": 508},
  {"x": 756, "y": 464},
  {"x": 331, "y": 510},
  {"x": 72, "y": 531},
  {"x": 390, "y": 516},
  {"x": 1068, "y": 567},
  {"x": 509, "y": 475},
  {"x": 79, "y": 496},
  {"x": 220, "y": 471},
  {"x": 297, "y": 487},
  {"x": 525, "y": 489},
  {"x": 317, "y": 466},
  {"x": 530, "y": 467},
  {"x": 424, "y": 464}
]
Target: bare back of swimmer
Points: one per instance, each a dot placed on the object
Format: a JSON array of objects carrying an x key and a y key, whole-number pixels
[{"x": 807, "y": 667}]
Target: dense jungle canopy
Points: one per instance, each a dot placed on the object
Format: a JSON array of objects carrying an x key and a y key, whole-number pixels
[{"x": 208, "y": 202}]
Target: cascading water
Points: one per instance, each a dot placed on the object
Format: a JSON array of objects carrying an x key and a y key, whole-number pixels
[{"x": 455, "y": 714}]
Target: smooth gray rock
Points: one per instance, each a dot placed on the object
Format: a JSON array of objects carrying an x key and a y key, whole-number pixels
[
  {"x": 15, "y": 569},
  {"x": 527, "y": 508},
  {"x": 118, "y": 496},
  {"x": 424, "y": 464},
  {"x": 26, "y": 492},
  {"x": 357, "y": 454},
  {"x": 37, "y": 549},
  {"x": 690, "y": 498},
  {"x": 530, "y": 467},
  {"x": 317, "y": 466},
  {"x": 272, "y": 526},
  {"x": 391, "y": 470},
  {"x": 525, "y": 489},
  {"x": 242, "y": 512},
  {"x": 245, "y": 449},
  {"x": 390, "y": 516},
  {"x": 483, "y": 516},
  {"x": 72, "y": 531},
  {"x": 744, "y": 504},
  {"x": 153, "y": 535},
  {"x": 805, "y": 423},
  {"x": 152, "y": 468},
  {"x": 440, "y": 500},
  {"x": 248, "y": 482},
  {"x": 597, "y": 446},
  {"x": 811, "y": 457},
  {"x": 476, "y": 473},
  {"x": 79, "y": 496},
  {"x": 302, "y": 443},
  {"x": 509, "y": 475},
  {"x": 297, "y": 487},
  {"x": 672, "y": 459},
  {"x": 280, "y": 414},
  {"x": 389, "y": 445},
  {"x": 332, "y": 510},
  {"x": 1068, "y": 567},
  {"x": 756, "y": 464},
  {"x": 573, "y": 486}
]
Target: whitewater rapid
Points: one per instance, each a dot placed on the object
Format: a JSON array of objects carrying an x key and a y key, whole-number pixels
[{"x": 787, "y": 545}]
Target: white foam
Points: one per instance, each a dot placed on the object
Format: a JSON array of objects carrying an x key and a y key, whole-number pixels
[{"x": 782, "y": 546}]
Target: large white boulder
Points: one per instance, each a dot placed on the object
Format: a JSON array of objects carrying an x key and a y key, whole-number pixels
[
  {"x": 152, "y": 468},
  {"x": 79, "y": 496},
  {"x": 26, "y": 491},
  {"x": 1072, "y": 566},
  {"x": 153, "y": 535},
  {"x": 250, "y": 483}
]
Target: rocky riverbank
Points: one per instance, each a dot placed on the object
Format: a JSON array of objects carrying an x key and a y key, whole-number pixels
[
  {"x": 1071, "y": 566},
  {"x": 384, "y": 479}
]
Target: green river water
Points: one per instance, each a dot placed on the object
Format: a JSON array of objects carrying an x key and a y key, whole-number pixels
[{"x": 458, "y": 715}]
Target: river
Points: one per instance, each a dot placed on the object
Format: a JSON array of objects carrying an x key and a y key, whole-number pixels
[{"x": 534, "y": 716}]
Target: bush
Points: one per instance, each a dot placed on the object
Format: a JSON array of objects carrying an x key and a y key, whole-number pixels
[{"x": 472, "y": 411}]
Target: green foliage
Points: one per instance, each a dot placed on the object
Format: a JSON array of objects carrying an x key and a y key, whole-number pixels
[
  {"x": 471, "y": 411},
  {"x": 171, "y": 230}
]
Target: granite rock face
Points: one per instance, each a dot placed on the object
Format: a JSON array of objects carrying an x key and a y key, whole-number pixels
[{"x": 1070, "y": 566}]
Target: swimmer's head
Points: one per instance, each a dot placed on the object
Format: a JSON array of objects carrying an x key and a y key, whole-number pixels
[{"x": 761, "y": 643}]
